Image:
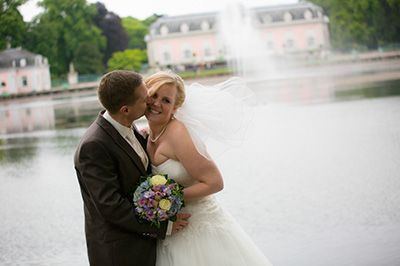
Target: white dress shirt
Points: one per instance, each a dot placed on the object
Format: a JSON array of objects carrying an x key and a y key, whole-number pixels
[{"x": 129, "y": 136}]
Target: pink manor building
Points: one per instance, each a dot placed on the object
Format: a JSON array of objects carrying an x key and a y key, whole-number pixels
[
  {"x": 23, "y": 71},
  {"x": 299, "y": 29}
]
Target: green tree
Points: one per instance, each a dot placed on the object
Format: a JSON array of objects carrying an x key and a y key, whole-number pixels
[
  {"x": 150, "y": 20},
  {"x": 387, "y": 21},
  {"x": 136, "y": 30},
  {"x": 355, "y": 23},
  {"x": 11, "y": 23},
  {"x": 111, "y": 27},
  {"x": 88, "y": 59},
  {"x": 66, "y": 25},
  {"x": 130, "y": 59}
]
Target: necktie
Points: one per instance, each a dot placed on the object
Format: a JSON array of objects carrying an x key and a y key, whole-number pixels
[{"x": 137, "y": 147}]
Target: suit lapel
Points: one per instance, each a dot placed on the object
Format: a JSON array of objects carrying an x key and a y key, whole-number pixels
[{"x": 121, "y": 142}]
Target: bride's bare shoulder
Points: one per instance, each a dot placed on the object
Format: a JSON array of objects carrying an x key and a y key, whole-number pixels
[{"x": 178, "y": 130}]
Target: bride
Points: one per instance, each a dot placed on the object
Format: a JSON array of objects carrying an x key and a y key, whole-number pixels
[{"x": 178, "y": 129}]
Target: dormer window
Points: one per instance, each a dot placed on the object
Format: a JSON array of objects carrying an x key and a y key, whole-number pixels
[
  {"x": 184, "y": 28},
  {"x": 164, "y": 30},
  {"x": 308, "y": 14},
  {"x": 22, "y": 62},
  {"x": 205, "y": 25},
  {"x": 267, "y": 19},
  {"x": 38, "y": 60},
  {"x": 287, "y": 17}
]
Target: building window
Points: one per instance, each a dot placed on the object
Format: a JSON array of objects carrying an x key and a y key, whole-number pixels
[
  {"x": 22, "y": 62},
  {"x": 166, "y": 54},
  {"x": 310, "y": 39},
  {"x": 205, "y": 25},
  {"x": 187, "y": 52},
  {"x": 287, "y": 17},
  {"x": 24, "y": 81},
  {"x": 290, "y": 41},
  {"x": 267, "y": 19},
  {"x": 269, "y": 41},
  {"x": 308, "y": 14},
  {"x": 208, "y": 50},
  {"x": 164, "y": 30},
  {"x": 184, "y": 28},
  {"x": 310, "y": 42}
]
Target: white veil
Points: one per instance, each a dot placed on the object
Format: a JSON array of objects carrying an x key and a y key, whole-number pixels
[{"x": 218, "y": 117}]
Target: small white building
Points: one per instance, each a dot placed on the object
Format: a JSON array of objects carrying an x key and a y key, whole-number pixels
[{"x": 23, "y": 71}]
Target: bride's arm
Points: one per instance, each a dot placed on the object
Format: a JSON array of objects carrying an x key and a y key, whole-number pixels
[{"x": 201, "y": 169}]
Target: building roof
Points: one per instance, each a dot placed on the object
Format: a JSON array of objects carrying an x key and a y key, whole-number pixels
[
  {"x": 262, "y": 15},
  {"x": 8, "y": 56}
]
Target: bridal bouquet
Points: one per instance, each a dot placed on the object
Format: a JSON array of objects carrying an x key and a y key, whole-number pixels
[{"x": 157, "y": 199}]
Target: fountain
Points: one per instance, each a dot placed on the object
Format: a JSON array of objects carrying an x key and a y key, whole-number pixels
[{"x": 244, "y": 49}]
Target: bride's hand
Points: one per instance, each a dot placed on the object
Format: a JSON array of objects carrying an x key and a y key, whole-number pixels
[{"x": 181, "y": 222}]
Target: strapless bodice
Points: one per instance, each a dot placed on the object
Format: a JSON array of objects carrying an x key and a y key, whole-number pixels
[{"x": 175, "y": 171}]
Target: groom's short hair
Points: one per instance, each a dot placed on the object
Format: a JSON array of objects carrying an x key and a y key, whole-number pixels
[{"x": 117, "y": 88}]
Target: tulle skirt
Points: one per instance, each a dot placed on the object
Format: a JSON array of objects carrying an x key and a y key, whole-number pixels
[{"x": 213, "y": 238}]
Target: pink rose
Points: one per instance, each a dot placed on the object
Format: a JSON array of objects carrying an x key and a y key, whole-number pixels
[
  {"x": 152, "y": 203},
  {"x": 142, "y": 201}
]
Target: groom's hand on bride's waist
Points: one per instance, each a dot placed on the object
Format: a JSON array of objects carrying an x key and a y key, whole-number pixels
[{"x": 181, "y": 222}]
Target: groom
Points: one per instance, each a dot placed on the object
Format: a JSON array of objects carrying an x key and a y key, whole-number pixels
[{"x": 109, "y": 162}]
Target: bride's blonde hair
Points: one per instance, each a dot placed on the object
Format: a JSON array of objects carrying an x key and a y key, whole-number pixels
[{"x": 155, "y": 81}]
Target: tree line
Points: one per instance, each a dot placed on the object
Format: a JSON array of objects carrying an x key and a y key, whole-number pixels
[
  {"x": 357, "y": 24},
  {"x": 87, "y": 35},
  {"x": 96, "y": 40}
]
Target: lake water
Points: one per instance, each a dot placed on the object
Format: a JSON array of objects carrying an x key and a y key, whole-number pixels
[{"x": 317, "y": 183}]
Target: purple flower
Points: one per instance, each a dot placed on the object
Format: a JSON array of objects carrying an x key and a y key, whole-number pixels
[
  {"x": 158, "y": 195},
  {"x": 167, "y": 191},
  {"x": 152, "y": 203},
  {"x": 157, "y": 188},
  {"x": 142, "y": 201},
  {"x": 163, "y": 216},
  {"x": 139, "y": 210},
  {"x": 172, "y": 186},
  {"x": 150, "y": 215},
  {"x": 148, "y": 194}
]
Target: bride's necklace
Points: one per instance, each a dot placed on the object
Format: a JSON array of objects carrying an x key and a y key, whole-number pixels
[{"x": 159, "y": 135}]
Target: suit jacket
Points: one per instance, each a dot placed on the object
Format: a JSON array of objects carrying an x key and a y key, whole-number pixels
[{"x": 108, "y": 170}]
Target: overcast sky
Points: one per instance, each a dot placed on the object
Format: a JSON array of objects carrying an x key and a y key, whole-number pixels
[{"x": 142, "y": 9}]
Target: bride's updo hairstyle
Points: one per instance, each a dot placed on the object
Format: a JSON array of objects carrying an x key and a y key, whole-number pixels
[{"x": 155, "y": 81}]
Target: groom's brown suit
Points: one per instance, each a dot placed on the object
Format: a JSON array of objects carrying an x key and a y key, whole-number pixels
[{"x": 108, "y": 170}]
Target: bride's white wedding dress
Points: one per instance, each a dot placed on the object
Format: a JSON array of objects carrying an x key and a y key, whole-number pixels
[{"x": 212, "y": 238}]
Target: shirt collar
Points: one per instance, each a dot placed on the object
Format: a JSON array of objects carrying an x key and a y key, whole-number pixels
[{"x": 123, "y": 130}]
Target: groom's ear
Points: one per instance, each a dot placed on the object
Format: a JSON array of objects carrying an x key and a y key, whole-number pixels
[{"x": 124, "y": 109}]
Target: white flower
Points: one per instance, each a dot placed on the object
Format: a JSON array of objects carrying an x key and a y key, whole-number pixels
[
  {"x": 158, "y": 180},
  {"x": 165, "y": 205}
]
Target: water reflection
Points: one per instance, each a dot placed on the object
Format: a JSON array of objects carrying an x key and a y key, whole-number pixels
[
  {"x": 374, "y": 90},
  {"x": 329, "y": 174}
]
